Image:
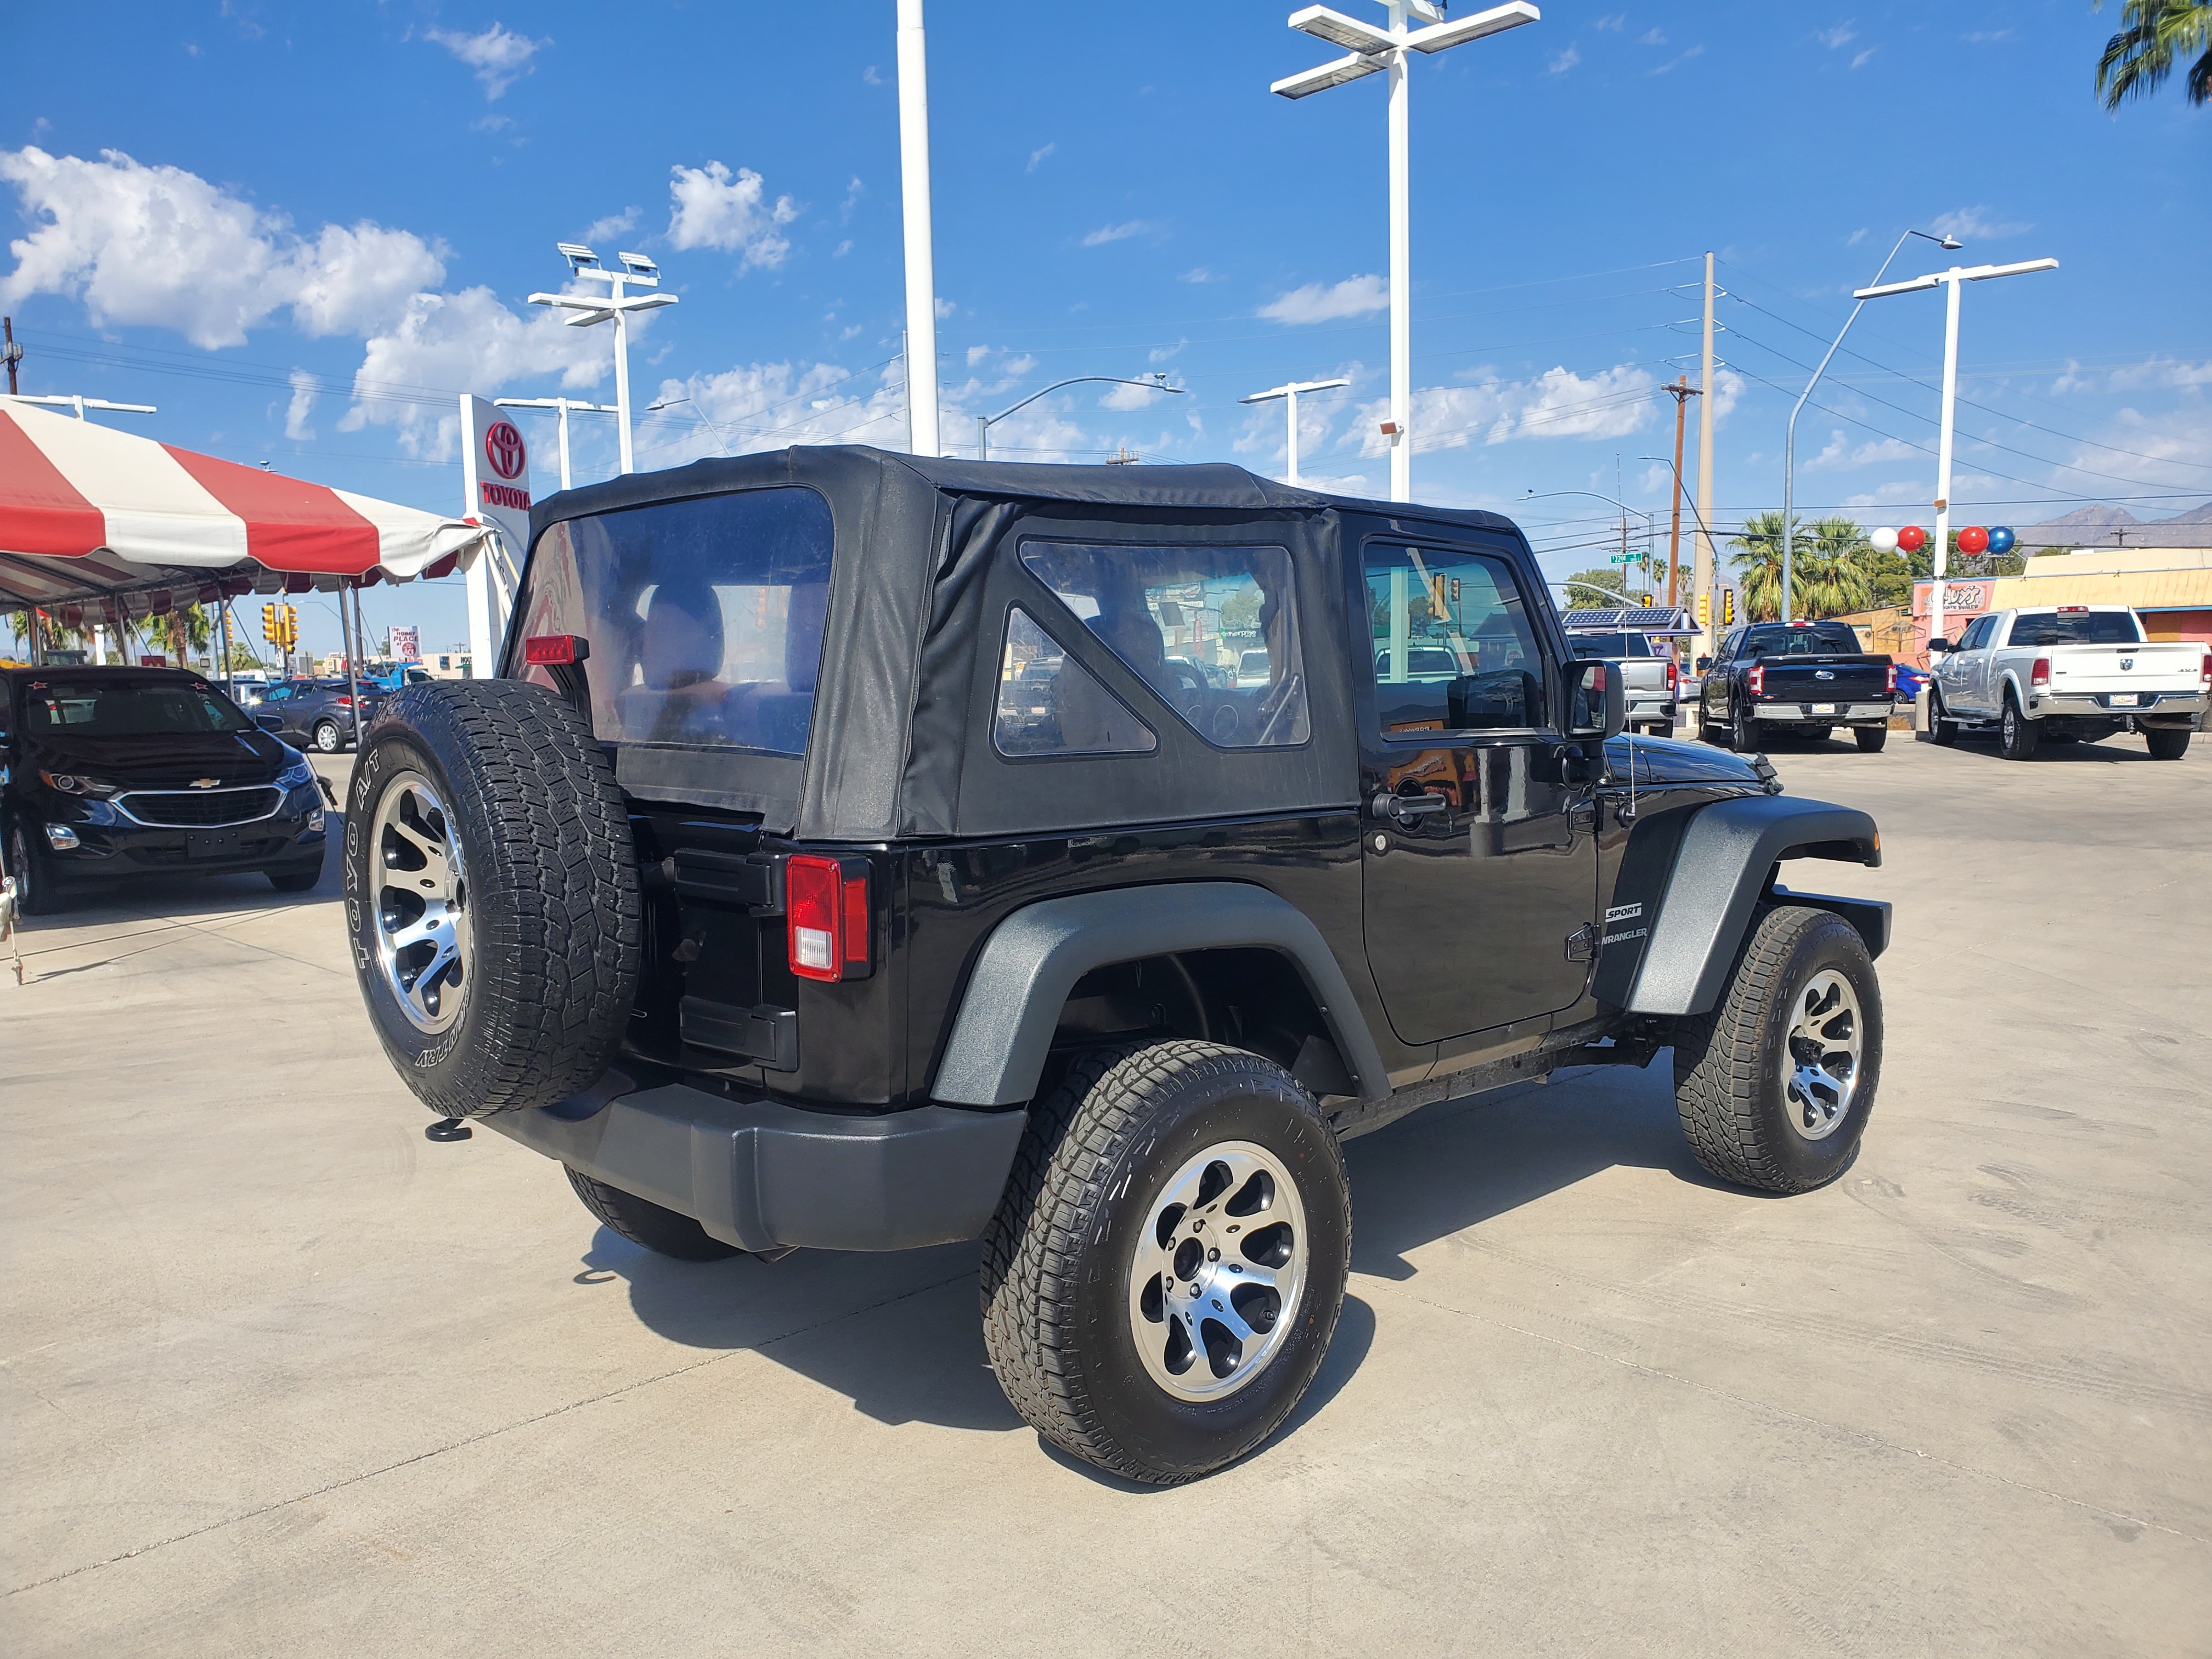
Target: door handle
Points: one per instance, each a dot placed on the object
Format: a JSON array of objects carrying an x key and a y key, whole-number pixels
[{"x": 1406, "y": 810}]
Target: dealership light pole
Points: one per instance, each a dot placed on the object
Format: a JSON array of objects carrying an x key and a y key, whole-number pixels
[
  {"x": 72, "y": 401},
  {"x": 1290, "y": 393},
  {"x": 985, "y": 423},
  {"x": 920, "y": 267},
  {"x": 1955, "y": 279},
  {"x": 637, "y": 272},
  {"x": 566, "y": 406},
  {"x": 1789, "y": 433},
  {"x": 1375, "y": 50}
]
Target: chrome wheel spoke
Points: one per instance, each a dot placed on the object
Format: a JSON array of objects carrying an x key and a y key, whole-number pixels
[
  {"x": 1820, "y": 1055},
  {"x": 419, "y": 904}
]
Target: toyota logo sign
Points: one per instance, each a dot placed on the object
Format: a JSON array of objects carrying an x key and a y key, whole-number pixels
[{"x": 503, "y": 449}]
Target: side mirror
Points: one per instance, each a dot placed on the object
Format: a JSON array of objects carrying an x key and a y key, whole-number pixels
[
  {"x": 1939, "y": 644},
  {"x": 1703, "y": 663},
  {"x": 1597, "y": 700}
]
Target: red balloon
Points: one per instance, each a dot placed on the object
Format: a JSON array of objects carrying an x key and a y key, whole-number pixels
[
  {"x": 1974, "y": 539},
  {"x": 1912, "y": 538}
]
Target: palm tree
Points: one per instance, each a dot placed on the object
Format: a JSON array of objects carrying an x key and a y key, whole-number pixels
[
  {"x": 1833, "y": 576},
  {"x": 1758, "y": 565},
  {"x": 2152, "y": 34},
  {"x": 182, "y": 630}
]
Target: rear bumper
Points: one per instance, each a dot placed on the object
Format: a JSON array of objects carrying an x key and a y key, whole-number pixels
[
  {"x": 763, "y": 1175},
  {"x": 1843, "y": 713},
  {"x": 2175, "y": 705}
]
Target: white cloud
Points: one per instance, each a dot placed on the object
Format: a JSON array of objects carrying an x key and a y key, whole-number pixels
[
  {"x": 1160, "y": 354},
  {"x": 1322, "y": 302},
  {"x": 714, "y": 209},
  {"x": 977, "y": 354},
  {"x": 847, "y": 333},
  {"x": 1037, "y": 157},
  {"x": 1856, "y": 237},
  {"x": 854, "y": 191},
  {"x": 1129, "y": 397},
  {"x": 1121, "y": 232},
  {"x": 302, "y": 406},
  {"x": 1976, "y": 224},
  {"x": 1557, "y": 404},
  {"x": 614, "y": 225},
  {"x": 467, "y": 341},
  {"x": 1565, "y": 61},
  {"x": 490, "y": 124},
  {"x": 770, "y": 405},
  {"x": 499, "y": 56},
  {"x": 1864, "y": 57},
  {"x": 842, "y": 249},
  {"x": 159, "y": 247},
  {"x": 1842, "y": 35},
  {"x": 1987, "y": 36},
  {"x": 2163, "y": 371},
  {"x": 1683, "y": 57},
  {"x": 1014, "y": 367},
  {"x": 1196, "y": 274},
  {"x": 1653, "y": 38},
  {"x": 1840, "y": 452},
  {"x": 1907, "y": 494},
  {"x": 1611, "y": 24},
  {"x": 872, "y": 78},
  {"x": 943, "y": 307}
]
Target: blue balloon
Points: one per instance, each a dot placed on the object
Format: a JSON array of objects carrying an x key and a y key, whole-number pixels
[{"x": 2001, "y": 538}]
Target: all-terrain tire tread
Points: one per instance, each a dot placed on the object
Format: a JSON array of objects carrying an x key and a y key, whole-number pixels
[
  {"x": 1719, "y": 1056},
  {"x": 1034, "y": 1247}
]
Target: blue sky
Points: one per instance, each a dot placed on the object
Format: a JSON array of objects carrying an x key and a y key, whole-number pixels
[{"x": 249, "y": 213}]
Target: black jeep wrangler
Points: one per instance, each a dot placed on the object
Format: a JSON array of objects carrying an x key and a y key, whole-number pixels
[{"x": 860, "y": 851}]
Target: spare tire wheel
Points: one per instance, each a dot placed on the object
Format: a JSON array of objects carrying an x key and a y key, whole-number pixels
[{"x": 491, "y": 895}]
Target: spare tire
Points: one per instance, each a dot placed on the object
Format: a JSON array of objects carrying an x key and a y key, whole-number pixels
[{"x": 491, "y": 895}]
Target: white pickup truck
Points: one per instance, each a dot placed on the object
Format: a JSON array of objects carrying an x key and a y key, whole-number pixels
[{"x": 2070, "y": 673}]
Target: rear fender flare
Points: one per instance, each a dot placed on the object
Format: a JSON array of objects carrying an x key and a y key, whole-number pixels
[
  {"x": 1721, "y": 874},
  {"x": 1032, "y": 960}
]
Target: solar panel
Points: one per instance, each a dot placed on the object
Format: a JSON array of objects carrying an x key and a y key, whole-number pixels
[{"x": 1652, "y": 619}]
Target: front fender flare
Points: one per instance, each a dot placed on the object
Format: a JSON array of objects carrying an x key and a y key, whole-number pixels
[
  {"x": 1034, "y": 958},
  {"x": 1727, "y": 853}
]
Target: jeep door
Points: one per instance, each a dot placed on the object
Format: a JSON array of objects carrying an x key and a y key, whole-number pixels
[{"x": 1480, "y": 859}]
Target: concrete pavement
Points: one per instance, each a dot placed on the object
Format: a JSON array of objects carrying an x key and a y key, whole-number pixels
[{"x": 282, "y": 1376}]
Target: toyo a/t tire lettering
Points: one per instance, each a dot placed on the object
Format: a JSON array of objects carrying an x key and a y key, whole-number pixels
[{"x": 491, "y": 895}]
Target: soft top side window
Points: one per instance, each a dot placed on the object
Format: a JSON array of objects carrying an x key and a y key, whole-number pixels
[
  {"x": 1455, "y": 650},
  {"x": 1212, "y": 629},
  {"x": 1051, "y": 704}
]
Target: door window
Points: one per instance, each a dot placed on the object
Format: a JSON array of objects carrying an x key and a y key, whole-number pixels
[
  {"x": 1453, "y": 644},
  {"x": 1051, "y": 704}
]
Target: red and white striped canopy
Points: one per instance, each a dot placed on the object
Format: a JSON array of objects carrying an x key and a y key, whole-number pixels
[{"x": 131, "y": 514}]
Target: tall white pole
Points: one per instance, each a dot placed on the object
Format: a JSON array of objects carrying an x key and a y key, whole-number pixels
[
  {"x": 1291, "y": 397},
  {"x": 562, "y": 403},
  {"x": 622, "y": 380},
  {"x": 1943, "y": 453},
  {"x": 921, "y": 272},
  {"x": 1401, "y": 274},
  {"x": 1708, "y": 561}
]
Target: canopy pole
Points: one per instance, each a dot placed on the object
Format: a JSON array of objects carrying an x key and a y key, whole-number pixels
[{"x": 353, "y": 657}]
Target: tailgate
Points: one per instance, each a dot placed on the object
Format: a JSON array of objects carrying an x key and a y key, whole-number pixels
[
  {"x": 1825, "y": 682},
  {"x": 2080, "y": 670}
]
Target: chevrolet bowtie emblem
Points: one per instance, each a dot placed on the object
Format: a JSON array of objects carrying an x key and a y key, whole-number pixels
[{"x": 206, "y": 783}]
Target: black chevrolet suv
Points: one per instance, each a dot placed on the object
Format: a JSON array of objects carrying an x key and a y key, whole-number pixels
[
  {"x": 860, "y": 851},
  {"x": 111, "y": 773}
]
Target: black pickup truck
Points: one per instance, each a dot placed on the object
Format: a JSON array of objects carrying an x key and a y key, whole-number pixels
[
  {"x": 1805, "y": 678},
  {"x": 862, "y": 852}
]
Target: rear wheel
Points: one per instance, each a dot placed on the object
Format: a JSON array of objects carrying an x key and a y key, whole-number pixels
[
  {"x": 328, "y": 737},
  {"x": 1870, "y": 739},
  {"x": 1774, "y": 1086},
  {"x": 2166, "y": 742},
  {"x": 662, "y": 1231},
  {"x": 1163, "y": 1278},
  {"x": 1747, "y": 736},
  {"x": 2017, "y": 735}
]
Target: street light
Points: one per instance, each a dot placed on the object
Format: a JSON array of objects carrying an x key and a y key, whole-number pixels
[
  {"x": 1956, "y": 278},
  {"x": 1789, "y": 436},
  {"x": 698, "y": 408},
  {"x": 921, "y": 349},
  {"x": 566, "y": 406},
  {"x": 1290, "y": 391},
  {"x": 1651, "y": 523},
  {"x": 80, "y": 405},
  {"x": 637, "y": 272},
  {"x": 1374, "y": 49},
  {"x": 1712, "y": 594},
  {"x": 985, "y": 423}
]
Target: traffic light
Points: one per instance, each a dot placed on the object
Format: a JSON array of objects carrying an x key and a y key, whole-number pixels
[
  {"x": 1728, "y": 607},
  {"x": 291, "y": 626},
  {"x": 268, "y": 624},
  {"x": 1705, "y": 610}
]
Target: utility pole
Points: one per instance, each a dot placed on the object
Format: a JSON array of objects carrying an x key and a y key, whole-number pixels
[
  {"x": 1708, "y": 574},
  {"x": 12, "y": 352},
  {"x": 1682, "y": 392}
]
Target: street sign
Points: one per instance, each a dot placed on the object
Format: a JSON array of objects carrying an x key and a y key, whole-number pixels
[{"x": 1623, "y": 558}]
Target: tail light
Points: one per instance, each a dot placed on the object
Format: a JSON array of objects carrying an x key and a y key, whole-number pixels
[
  {"x": 1758, "y": 679},
  {"x": 346, "y": 702},
  {"x": 2039, "y": 676},
  {"x": 1673, "y": 677},
  {"x": 825, "y": 904},
  {"x": 2205, "y": 673},
  {"x": 1890, "y": 682}
]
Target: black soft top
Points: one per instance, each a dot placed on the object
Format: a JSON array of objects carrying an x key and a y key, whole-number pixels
[{"x": 915, "y": 539}]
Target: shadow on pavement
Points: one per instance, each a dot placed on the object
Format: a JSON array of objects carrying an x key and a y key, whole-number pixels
[
  {"x": 917, "y": 1354},
  {"x": 186, "y": 898}
]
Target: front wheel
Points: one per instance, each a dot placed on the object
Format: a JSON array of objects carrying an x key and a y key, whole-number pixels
[
  {"x": 2167, "y": 742},
  {"x": 2017, "y": 736},
  {"x": 34, "y": 892},
  {"x": 1774, "y": 1086},
  {"x": 1163, "y": 1278},
  {"x": 1870, "y": 739},
  {"x": 1943, "y": 730}
]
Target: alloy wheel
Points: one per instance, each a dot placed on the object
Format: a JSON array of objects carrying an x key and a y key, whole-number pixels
[
  {"x": 419, "y": 902},
  {"x": 1821, "y": 1057},
  {"x": 1219, "y": 1271}
]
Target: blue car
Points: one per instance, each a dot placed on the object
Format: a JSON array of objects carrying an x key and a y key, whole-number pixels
[{"x": 1910, "y": 681}]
